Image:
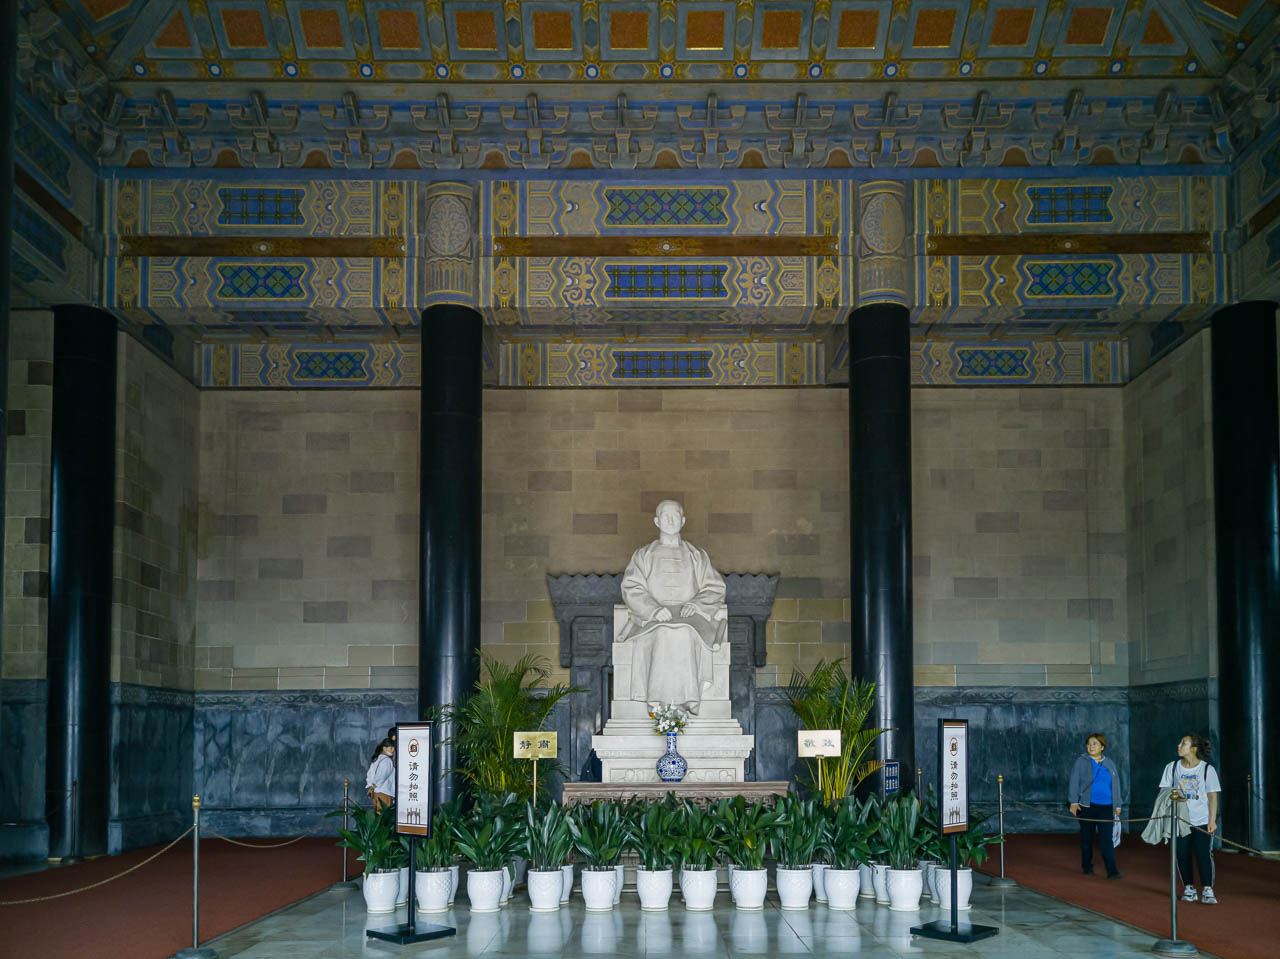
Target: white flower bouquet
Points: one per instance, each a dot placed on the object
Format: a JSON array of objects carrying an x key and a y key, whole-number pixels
[{"x": 668, "y": 719}]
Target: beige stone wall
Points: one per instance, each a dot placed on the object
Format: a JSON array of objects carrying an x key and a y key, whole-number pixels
[
  {"x": 308, "y": 540},
  {"x": 1169, "y": 488},
  {"x": 1019, "y": 537},
  {"x": 26, "y": 539},
  {"x": 154, "y": 557}
]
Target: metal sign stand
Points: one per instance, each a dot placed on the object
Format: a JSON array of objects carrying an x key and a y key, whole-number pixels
[
  {"x": 953, "y": 732},
  {"x": 411, "y": 931}
]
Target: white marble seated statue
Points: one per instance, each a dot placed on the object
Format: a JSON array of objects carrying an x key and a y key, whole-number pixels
[{"x": 677, "y": 616}]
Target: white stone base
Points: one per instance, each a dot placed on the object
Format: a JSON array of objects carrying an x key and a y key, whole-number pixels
[{"x": 712, "y": 742}]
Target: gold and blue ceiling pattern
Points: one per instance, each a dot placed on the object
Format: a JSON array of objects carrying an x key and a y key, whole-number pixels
[{"x": 704, "y": 41}]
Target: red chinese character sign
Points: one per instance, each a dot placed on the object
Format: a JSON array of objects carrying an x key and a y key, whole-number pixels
[
  {"x": 953, "y": 774},
  {"x": 413, "y": 778}
]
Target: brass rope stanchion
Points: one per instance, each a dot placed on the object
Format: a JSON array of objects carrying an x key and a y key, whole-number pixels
[
  {"x": 196, "y": 951},
  {"x": 1173, "y": 946},
  {"x": 1002, "y": 881}
]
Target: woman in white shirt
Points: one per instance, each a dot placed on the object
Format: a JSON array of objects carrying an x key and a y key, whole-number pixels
[
  {"x": 379, "y": 781},
  {"x": 1195, "y": 782}
]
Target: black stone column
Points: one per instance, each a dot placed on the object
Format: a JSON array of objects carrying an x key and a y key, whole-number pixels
[
  {"x": 1246, "y": 474},
  {"x": 8, "y": 91},
  {"x": 449, "y": 577},
  {"x": 82, "y": 465},
  {"x": 880, "y": 522}
]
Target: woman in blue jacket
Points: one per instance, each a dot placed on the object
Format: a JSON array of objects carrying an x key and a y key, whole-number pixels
[{"x": 1095, "y": 794}]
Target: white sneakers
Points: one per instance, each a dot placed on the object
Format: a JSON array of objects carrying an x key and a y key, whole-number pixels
[{"x": 1206, "y": 896}]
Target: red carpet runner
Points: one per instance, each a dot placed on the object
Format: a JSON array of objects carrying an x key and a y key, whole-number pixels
[
  {"x": 1244, "y": 925},
  {"x": 147, "y": 914}
]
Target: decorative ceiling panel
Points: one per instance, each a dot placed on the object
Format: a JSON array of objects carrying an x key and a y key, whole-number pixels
[{"x": 685, "y": 40}]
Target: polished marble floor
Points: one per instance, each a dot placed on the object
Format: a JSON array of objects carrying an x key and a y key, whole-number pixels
[{"x": 332, "y": 925}]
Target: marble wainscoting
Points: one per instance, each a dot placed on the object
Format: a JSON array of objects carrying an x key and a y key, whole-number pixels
[
  {"x": 24, "y": 833},
  {"x": 152, "y": 729},
  {"x": 1031, "y": 735},
  {"x": 1160, "y": 714},
  {"x": 271, "y": 763}
]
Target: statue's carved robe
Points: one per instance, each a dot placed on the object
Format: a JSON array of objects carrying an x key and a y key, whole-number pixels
[{"x": 672, "y": 660}]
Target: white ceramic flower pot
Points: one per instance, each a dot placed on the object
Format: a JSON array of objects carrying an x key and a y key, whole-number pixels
[
  {"x": 654, "y": 887},
  {"x": 544, "y": 889},
  {"x": 453, "y": 883},
  {"x": 567, "y": 871},
  {"x": 866, "y": 882},
  {"x": 431, "y": 889},
  {"x": 402, "y": 893},
  {"x": 933, "y": 880},
  {"x": 926, "y": 869},
  {"x": 795, "y": 886},
  {"x": 508, "y": 883},
  {"x": 381, "y": 889},
  {"x": 522, "y": 868},
  {"x": 905, "y": 886},
  {"x": 484, "y": 889},
  {"x": 964, "y": 888},
  {"x": 698, "y": 887},
  {"x": 818, "y": 872},
  {"x": 621, "y": 870},
  {"x": 733, "y": 893},
  {"x": 880, "y": 880},
  {"x": 842, "y": 888},
  {"x": 749, "y": 887},
  {"x": 598, "y": 887}
]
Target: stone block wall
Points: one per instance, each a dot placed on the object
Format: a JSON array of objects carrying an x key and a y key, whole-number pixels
[
  {"x": 157, "y": 480},
  {"x": 1019, "y": 537},
  {"x": 1168, "y": 479},
  {"x": 307, "y": 574},
  {"x": 26, "y": 539}
]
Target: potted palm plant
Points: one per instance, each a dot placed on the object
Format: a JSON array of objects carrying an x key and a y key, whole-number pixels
[
  {"x": 902, "y": 829},
  {"x": 485, "y": 843},
  {"x": 434, "y": 881},
  {"x": 748, "y": 830},
  {"x": 547, "y": 841},
  {"x": 372, "y": 837},
  {"x": 971, "y": 851},
  {"x": 825, "y": 698},
  {"x": 802, "y": 828},
  {"x": 849, "y": 849},
  {"x": 698, "y": 839},
  {"x": 599, "y": 834},
  {"x": 654, "y": 840}
]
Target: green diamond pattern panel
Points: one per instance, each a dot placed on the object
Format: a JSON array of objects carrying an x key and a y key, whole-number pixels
[
  {"x": 646, "y": 206},
  {"x": 330, "y": 365},
  {"x": 254, "y": 281},
  {"x": 1069, "y": 204},
  {"x": 665, "y": 281},
  {"x": 991, "y": 364},
  {"x": 1070, "y": 278}
]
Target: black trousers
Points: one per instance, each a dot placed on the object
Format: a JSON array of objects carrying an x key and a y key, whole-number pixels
[
  {"x": 1096, "y": 819},
  {"x": 1197, "y": 848}
]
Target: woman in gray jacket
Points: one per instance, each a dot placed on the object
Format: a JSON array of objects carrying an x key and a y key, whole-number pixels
[{"x": 1095, "y": 792}]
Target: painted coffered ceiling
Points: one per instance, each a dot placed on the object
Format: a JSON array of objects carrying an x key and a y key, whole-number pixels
[{"x": 626, "y": 41}]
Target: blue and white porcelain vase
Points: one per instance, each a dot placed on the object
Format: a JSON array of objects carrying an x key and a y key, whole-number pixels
[{"x": 672, "y": 766}]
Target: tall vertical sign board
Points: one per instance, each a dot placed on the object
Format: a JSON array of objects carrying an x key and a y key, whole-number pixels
[{"x": 953, "y": 819}]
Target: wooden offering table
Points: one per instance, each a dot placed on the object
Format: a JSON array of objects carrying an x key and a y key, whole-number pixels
[{"x": 697, "y": 792}]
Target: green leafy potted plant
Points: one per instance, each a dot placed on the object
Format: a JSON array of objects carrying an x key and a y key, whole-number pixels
[
  {"x": 825, "y": 698},
  {"x": 654, "y": 840},
  {"x": 971, "y": 851},
  {"x": 599, "y": 834},
  {"x": 484, "y": 841},
  {"x": 748, "y": 830},
  {"x": 433, "y": 883},
  {"x": 547, "y": 841},
  {"x": 699, "y": 842},
  {"x": 509, "y": 808},
  {"x": 802, "y": 828},
  {"x": 850, "y": 831},
  {"x": 902, "y": 829},
  {"x": 372, "y": 837}
]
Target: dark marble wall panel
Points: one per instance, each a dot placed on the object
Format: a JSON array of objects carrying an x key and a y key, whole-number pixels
[
  {"x": 152, "y": 730},
  {"x": 775, "y": 732},
  {"x": 1031, "y": 735},
  {"x": 24, "y": 834},
  {"x": 1160, "y": 714},
  {"x": 272, "y": 763}
]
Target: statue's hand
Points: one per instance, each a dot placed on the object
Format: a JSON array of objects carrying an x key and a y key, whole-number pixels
[
  {"x": 688, "y": 609},
  {"x": 662, "y": 615}
]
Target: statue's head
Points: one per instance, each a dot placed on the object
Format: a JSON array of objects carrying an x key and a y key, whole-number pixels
[{"x": 669, "y": 517}]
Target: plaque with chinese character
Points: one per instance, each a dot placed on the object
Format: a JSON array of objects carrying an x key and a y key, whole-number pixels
[
  {"x": 413, "y": 778},
  {"x": 817, "y": 742},
  {"x": 535, "y": 746},
  {"x": 953, "y": 774}
]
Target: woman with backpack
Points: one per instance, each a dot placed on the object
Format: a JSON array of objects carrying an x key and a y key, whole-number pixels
[{"x": 1195, "y": 782}]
